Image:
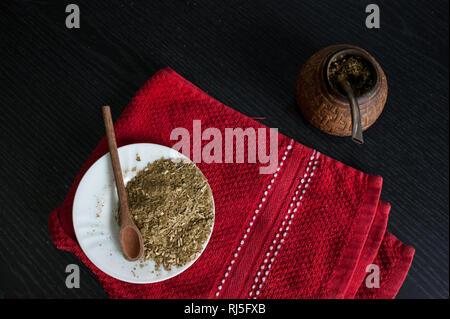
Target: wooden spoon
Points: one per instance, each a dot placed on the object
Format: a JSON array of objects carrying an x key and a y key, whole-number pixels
[{"x": 130, "y": 236}]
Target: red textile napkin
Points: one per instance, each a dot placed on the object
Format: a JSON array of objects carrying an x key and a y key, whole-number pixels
[{"x": 314, "y": 228}]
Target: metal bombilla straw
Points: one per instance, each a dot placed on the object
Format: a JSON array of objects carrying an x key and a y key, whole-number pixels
[{"x": 357, "y": 135}]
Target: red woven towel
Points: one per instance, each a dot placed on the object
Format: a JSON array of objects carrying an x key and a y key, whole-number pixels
[{"x": 309, "y": 230}]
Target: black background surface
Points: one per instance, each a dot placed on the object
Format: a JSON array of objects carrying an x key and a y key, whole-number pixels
[{"x": 246, "y": 54}]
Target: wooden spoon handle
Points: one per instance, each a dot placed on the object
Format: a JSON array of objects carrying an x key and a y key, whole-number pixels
[{"x": 112, "y": 144}]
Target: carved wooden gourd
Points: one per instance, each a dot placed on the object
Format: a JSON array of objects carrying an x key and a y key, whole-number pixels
[{"x": 329, "y": 110}]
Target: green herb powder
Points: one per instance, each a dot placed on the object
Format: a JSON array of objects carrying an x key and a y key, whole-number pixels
[{"x": 171, "y": 204}]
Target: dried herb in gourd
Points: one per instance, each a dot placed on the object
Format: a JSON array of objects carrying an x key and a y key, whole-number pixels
[{"x": 357, "y": 71}]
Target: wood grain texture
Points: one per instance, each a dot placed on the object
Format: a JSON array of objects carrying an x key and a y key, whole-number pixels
[{"x": 246, "y": 54}]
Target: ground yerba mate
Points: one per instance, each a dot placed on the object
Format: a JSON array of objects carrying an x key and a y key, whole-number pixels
[
  {"x": 171, "y": 204},
  {"x": 356, "y": 70}
]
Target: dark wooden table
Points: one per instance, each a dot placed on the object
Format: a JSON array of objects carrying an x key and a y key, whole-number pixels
[{"x": 246, "y": 54}]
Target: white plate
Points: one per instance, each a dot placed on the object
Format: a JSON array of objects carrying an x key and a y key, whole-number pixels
[{"x": 94, "y": 208}]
